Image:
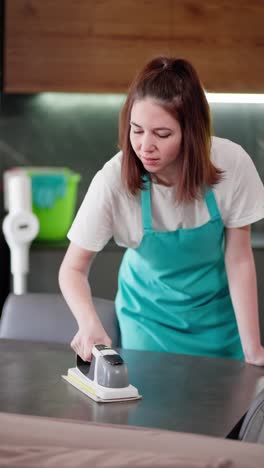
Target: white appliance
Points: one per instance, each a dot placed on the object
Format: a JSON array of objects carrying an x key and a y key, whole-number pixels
[{"x": 20, "y": 226}]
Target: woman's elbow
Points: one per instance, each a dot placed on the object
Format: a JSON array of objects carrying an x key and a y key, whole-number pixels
[{"x": 62, "y": 276}]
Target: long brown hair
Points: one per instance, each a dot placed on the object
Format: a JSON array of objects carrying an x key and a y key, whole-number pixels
[{"x": 175, "y": 85}]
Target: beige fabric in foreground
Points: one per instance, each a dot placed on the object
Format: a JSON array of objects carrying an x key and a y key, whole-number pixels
[
  {"x": 29, "y": 457},
  {"x": 31, "y": 441}
]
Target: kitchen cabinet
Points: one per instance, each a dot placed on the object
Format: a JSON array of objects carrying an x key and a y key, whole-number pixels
[{"x": 97, "y": 46}]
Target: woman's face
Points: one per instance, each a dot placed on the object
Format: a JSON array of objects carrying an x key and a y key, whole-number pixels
[{"x": 156, "y": 138}]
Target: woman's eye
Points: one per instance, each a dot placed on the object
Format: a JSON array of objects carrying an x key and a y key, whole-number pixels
[{"x": 139, "y": 132}]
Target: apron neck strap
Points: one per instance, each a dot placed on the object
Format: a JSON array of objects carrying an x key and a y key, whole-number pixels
[
  {"x": 146, "y": 205},
  {"x": 212, "y": 205}
]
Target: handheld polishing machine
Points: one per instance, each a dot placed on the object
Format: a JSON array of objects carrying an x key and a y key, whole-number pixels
[
  {"x": 20, "y": 226},
  {"x": 105, "y": 378}
]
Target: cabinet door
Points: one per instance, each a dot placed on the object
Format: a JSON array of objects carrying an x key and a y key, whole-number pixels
[{"x": 98, "y": 45}]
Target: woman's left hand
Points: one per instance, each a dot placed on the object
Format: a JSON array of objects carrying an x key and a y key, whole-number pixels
[{"x": 256, "y": 358}]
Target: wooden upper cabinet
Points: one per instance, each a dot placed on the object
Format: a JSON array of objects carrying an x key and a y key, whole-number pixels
[{"x": 99, "y": 45}]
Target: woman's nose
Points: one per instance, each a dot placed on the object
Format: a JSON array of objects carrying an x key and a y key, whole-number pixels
[{"x": 147, "y": 143}]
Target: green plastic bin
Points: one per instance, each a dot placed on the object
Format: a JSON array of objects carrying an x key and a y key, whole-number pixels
[{"x": 54, "y": 196}]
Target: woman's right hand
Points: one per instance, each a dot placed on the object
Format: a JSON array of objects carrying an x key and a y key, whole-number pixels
[{"x": 89, "y": 334}]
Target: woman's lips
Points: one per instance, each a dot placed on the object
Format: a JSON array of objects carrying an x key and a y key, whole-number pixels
[{"x": 150, "y": 161}]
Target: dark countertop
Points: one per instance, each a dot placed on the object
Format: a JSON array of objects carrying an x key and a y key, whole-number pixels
[{"x": 180, "y": 393}]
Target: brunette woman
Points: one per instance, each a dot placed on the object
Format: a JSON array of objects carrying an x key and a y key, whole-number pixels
[{"x": 181, "y": 202}]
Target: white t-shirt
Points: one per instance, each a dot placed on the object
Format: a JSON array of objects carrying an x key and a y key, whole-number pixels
[{"x": 109, "y": 210}]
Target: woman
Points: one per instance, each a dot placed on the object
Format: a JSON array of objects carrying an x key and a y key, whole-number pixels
[{"x": 182, "y": 202}]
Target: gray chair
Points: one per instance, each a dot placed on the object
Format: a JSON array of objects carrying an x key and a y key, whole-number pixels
[
  {"x": 47, "y": 317},
  {"x": 252, "y": 428}
]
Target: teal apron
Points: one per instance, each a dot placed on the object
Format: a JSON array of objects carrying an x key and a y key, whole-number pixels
[{"x": 173, "y": 290}]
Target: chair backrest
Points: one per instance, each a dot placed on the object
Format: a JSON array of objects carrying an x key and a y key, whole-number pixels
[
  {"x": 252, "y": 428},
  {"x": 47, "y": 317}
]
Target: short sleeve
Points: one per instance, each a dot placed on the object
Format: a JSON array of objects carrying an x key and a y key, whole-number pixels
[
  {"x": 247, "y": 201},
  {"x": 92, "y": 226}
]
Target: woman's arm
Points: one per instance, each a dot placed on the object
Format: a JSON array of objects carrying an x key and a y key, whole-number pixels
[
  {"x": 241, "y": 272},
  {"x": 73, "y": 281}
]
